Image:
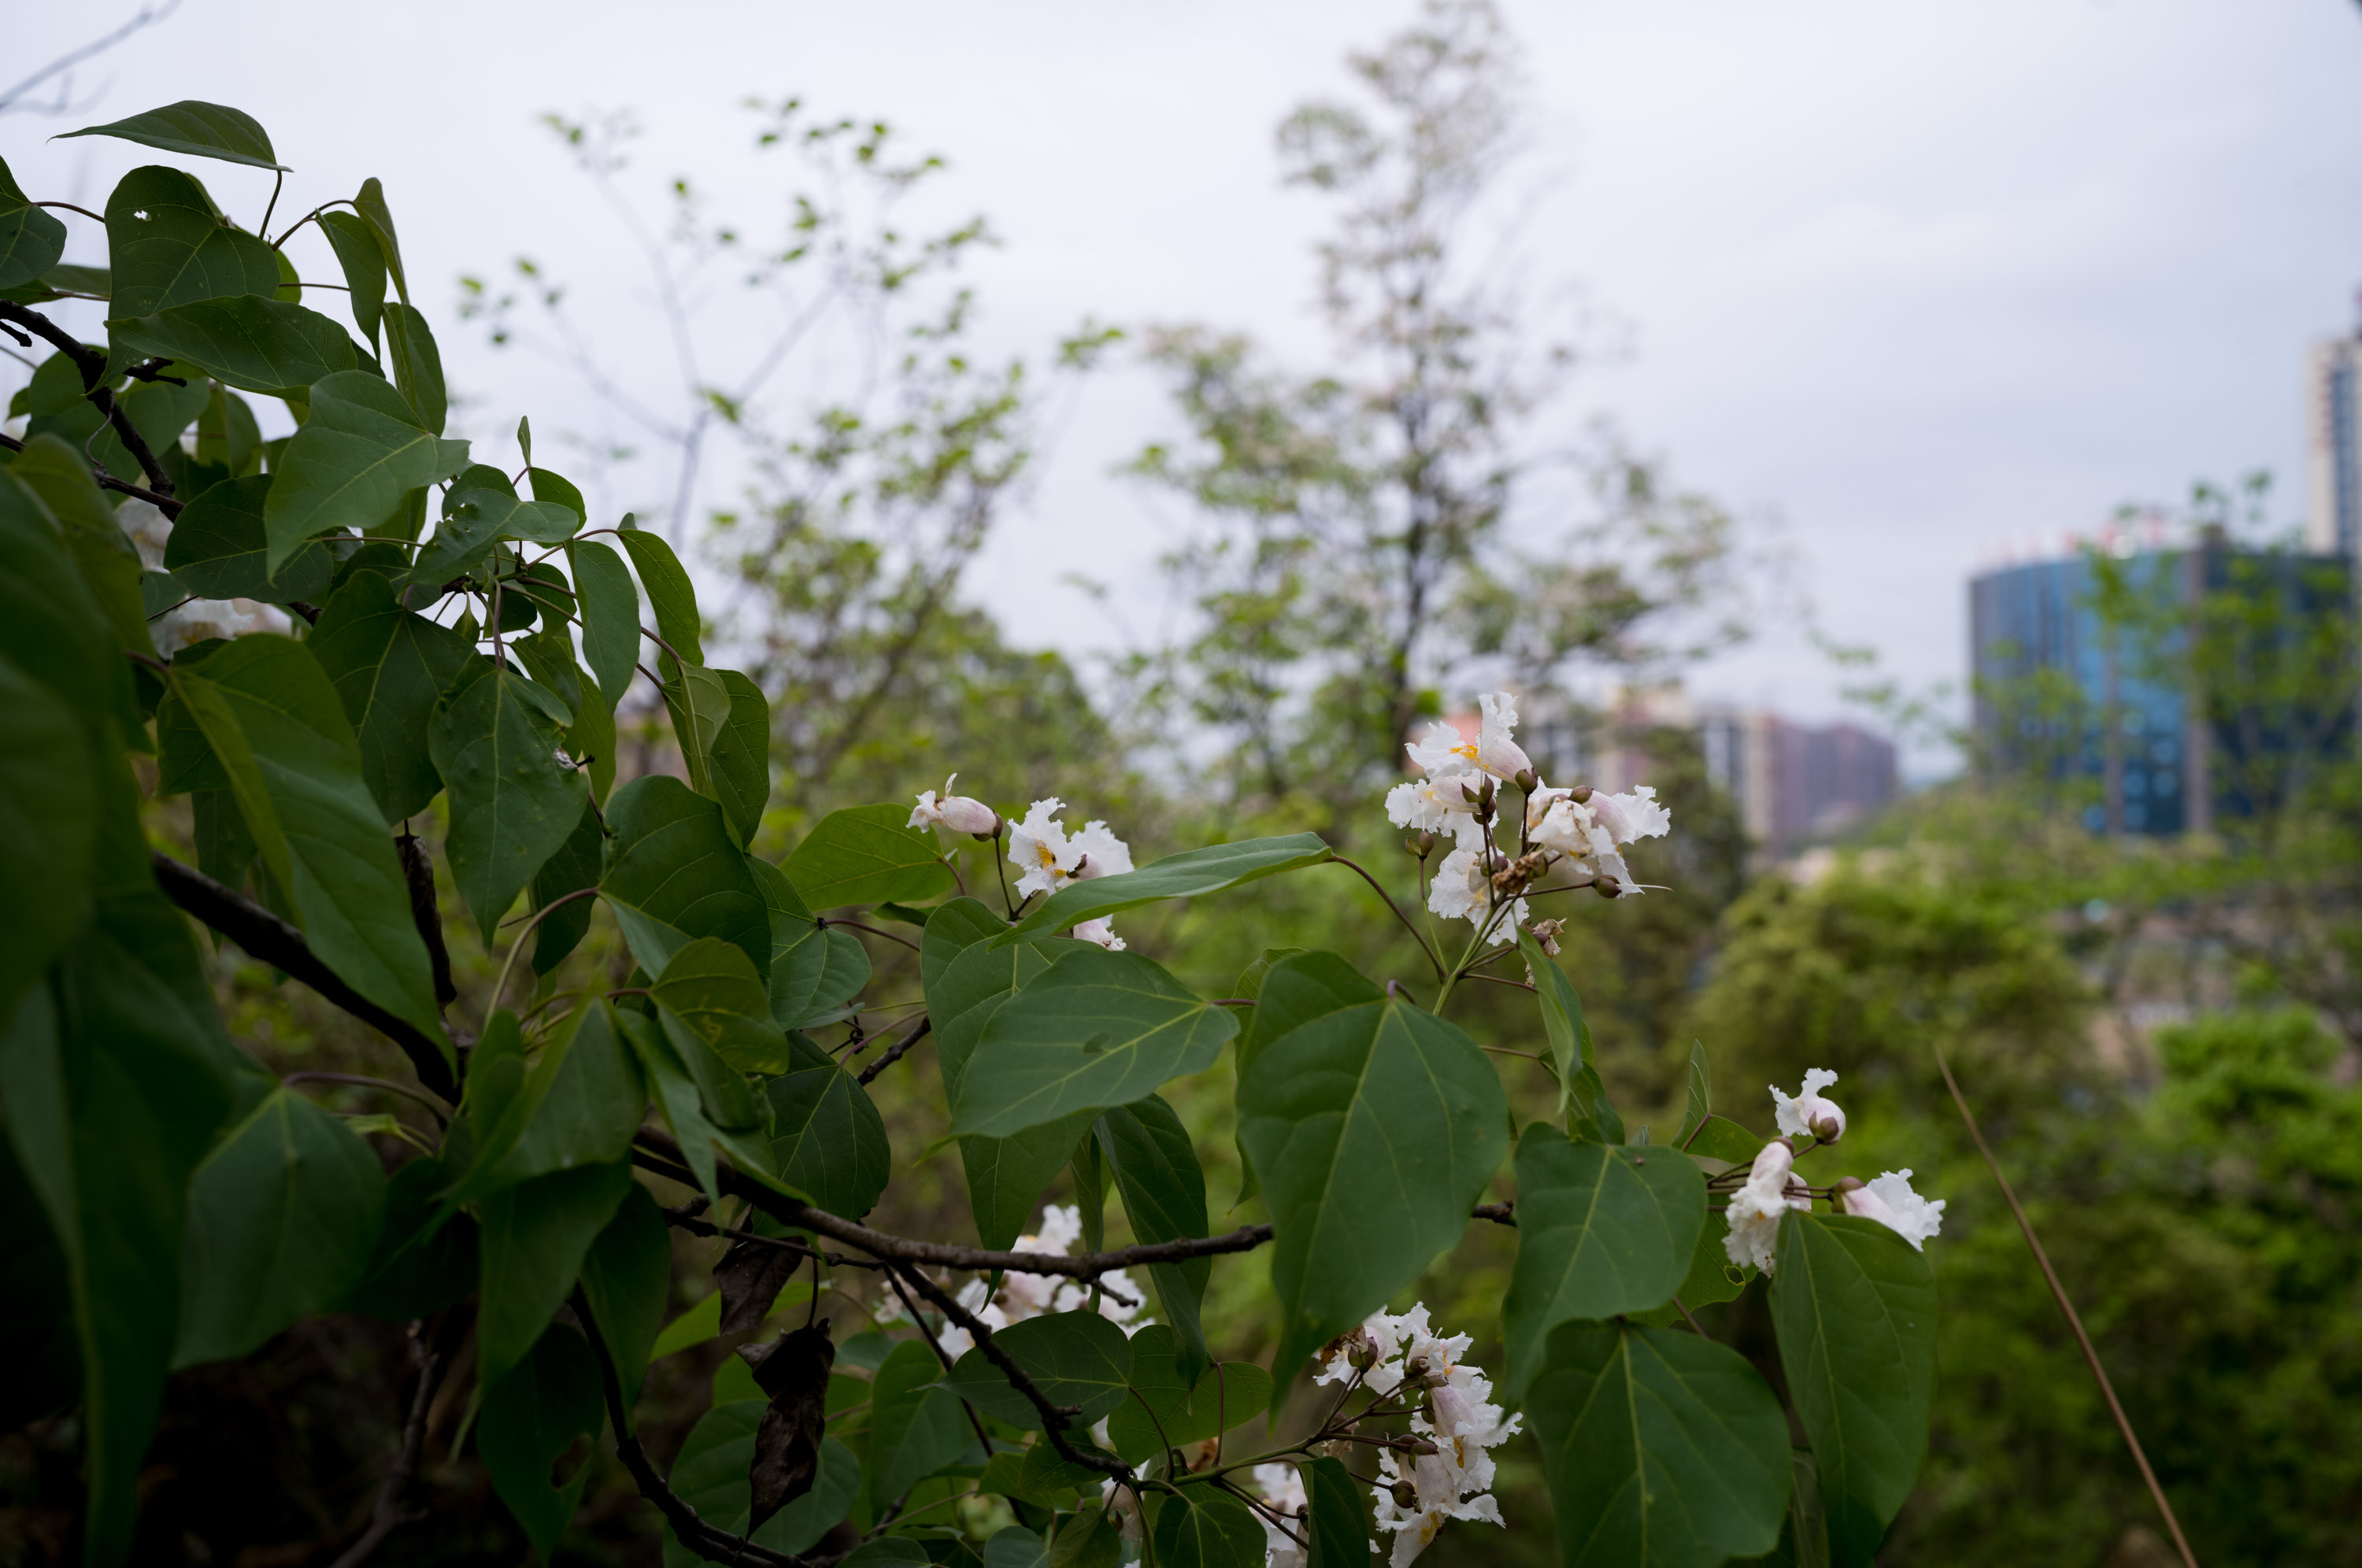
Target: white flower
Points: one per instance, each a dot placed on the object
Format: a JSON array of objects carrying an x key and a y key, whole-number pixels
[
  {"x": 1805, "y": 1114},
  {"x": 1634, "y": 816},
  {"x": 1101, "y": 931},
  {"x": 1442, "y": 753},
  {"x": 1463, "y": 889},
  {"x": 1891, "y": 1202},
  {"x": 1755, "y": 1208},
  {"x": 1023, "y": 1296},
  {"x": 1097, "y": 853},
  {"x": 1039, "y": 848},
  {"x": 1439, "y": 804},
  {"x": 1497, "y": 751},
  {"x": 959, "y": 813},
  {"x": 1281, "y": 1487}
]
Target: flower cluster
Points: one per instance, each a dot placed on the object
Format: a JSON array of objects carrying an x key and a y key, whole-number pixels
[
  {"x": 1023, "y": 1296},
  {"x": 1456, "y": 798},
  {"x": 1772, "y": 1186},
  {"x": 1046, "y": 857},
  {"x": 1450, "y": 1404}
]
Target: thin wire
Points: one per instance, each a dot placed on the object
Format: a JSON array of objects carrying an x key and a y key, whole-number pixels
[{"x": 2059, "y": 1292}]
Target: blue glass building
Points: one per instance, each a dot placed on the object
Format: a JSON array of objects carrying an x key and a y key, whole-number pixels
[{"x": 2061, "y": 693}]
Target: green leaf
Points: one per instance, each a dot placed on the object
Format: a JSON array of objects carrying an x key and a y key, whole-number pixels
[
  {"x": 1375, "y": 1129},
  {"x": 364, "y": 269},
  {"x": 700, "y": 705},
  {"x": 1015, "y": 1547},
  {"x": 676, "y": 872},
  {"x": 1339, "y": 1527},
  {"x": 951, "y": 928},
  {"x": 1006, "y": 1176},
  {"x": 1719, "y": 1138},
  {"x": 575, "y": 866},
  {"x": 670, "y": 592},
  {"x": 532, "y": 1415},
  {"x": 216, "y": 549},
  {"x": 814, "y": 971},
  {"x": 694, "y": 1327},
  {"x": 166, "y": 246},
  {"x": 1163, "y": 1191},
  {"x": 739, "y": 758},
  {"x": 548, "y": 486},
  {"x": 534, "y": 1237},
  {"x": 681, "y": 1100},
  {"x": 1098, "y": 1029},
  {"x": 867, "y": 854},
  {"x": 31, "y": 240},
  {"x": 578, "y": 1105},
  {"x": 52, "y": 622},
  {"x": 369, "y": 205},
  {"x": 1601, "y": 1232},
  {"x": 1173, "y": 1407},
  {"x": 269, "y": 712},
  {"x": 973, "y": 987},
  {"x": 197, "y": 129},
  {"x": 416, "y": 364},
  {"x": 1187, "y": 875},
  {"x": 1701, "y": 1098},
  {"x": 1711, "y": 1277},
  {"x": 250, "y": 342},
  {"x": 48, "y": 818},
  {"x": 712, "y": 988},
  {"x": 828, "y": 1139},
  {"x": 727, "y": 1101},
  {"x": 112, "y": 1072},
  {"x": 1854, "y": 1306},
  {"x": 283, "y": 1219},
  {"x": 474, "y": 522},
  {"x": 1569, "y": 1036},
  {"x": 356, "y": 459},
  {"x": 512, "y": 803},
  {"x": 627, "y": 1276},
  {"x": 1662, "y": 1450},
  {"x": 1202, "y": 1528},
  {"x": 1074, "y": 1358},
  {"x": 916, "y": 1428},
  {"x": 391, "y": 667},
  {"x": 611, "y": 616},
  {"x": 106, "y": 563},
  {"x": 425, "y": 1257},
  {"x": 711, "y": 1477},
  {"x": 1296, "y": 991}
]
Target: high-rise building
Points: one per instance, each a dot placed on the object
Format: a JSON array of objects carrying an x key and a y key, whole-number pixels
[
  {"x": 2333, "y": 446},
  {"x": 1795, "y": 782},
  {"x": 2064, "y": 694}
]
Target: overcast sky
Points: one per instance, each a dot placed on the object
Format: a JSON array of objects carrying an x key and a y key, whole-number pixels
[{"x": 1908, "y": 285}]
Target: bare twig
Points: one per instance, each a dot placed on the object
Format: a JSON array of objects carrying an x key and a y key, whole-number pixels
[
  {"x": 1499, "y": 1213},
  {"x": 391, "y": 1512},
  {"x": 92, "y": 363},
  {"x": 146, "y": 15},
  {"x": 900, "y": 1048},
  {"x": 1393, "y": 910},
  {"x": 2058, "y": 1293},
  {"x": 265, "y": 937},
  {"x": 104, "y": 481},
  {"x": 1054, "y": 1417},
  {"x": 712, "y": 1544}
]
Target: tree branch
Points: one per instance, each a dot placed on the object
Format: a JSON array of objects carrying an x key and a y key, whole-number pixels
[
  {"x": 1054, "y": 1417},
  {"x": 391, "y": 1512},
  {"x": 164, "y": 504},
  {"x": 92, "y": 363},
  {"x": 713, "y": 1544},
  {"x": 265, "y": 937},
  {"x": 902, "y": 1249},
  {"x": 900, "y": 1048}
]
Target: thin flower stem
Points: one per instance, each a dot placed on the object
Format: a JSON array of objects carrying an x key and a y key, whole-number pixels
[
  {"x": 857, "y": 925},
  {"x": 1394, "y": 910},
  {"x": 518, "y": 945},
  {"x": 2058, "y": 1293}
]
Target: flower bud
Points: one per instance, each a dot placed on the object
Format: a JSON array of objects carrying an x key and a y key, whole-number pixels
[
  {"x": 1484, "y": 792},
  {"x": 1607, "y": 887},
  {"x": 960, "y": 813},
  {"x": 1580, "y": 794},
  {"x": 1546, "y": 932},
  {"x": 1829, "y": 1126},
  {"x": 1527, "y": 781},
  {"x": 1406, "y": 1496},
  {"x": 1421, "y": 844}
]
